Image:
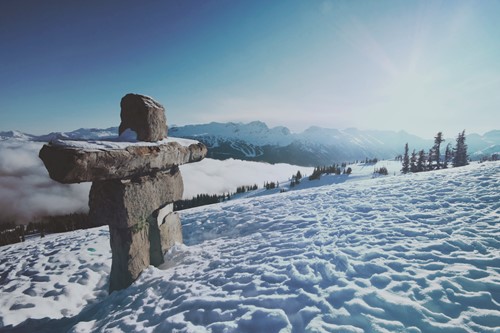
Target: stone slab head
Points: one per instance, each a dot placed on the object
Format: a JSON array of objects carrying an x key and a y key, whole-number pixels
[{"x": 143, "y": 115}]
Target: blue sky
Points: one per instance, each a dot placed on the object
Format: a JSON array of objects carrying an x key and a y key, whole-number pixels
[{"x": 419, "y": 66}]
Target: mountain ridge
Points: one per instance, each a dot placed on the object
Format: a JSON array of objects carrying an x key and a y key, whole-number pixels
[{"x": 316, "y": 145}]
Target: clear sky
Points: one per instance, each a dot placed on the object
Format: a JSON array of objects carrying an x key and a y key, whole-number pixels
[{"x": 419, "y": 66}]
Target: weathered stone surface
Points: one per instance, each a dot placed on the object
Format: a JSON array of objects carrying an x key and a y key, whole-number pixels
[
  {"x": 75, "y": 165},
  {"x": 163, "y": 235},
  {"x": 130, "y": 250},
  {"x": 125, "y": 203},
  {"x": 145, "y": 116},
  {"x": 170, "y": 231},
  {"x": 131, "y": 208}
]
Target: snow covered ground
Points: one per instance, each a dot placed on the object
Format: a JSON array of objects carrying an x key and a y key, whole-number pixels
[{"x": 414, "y": 253}]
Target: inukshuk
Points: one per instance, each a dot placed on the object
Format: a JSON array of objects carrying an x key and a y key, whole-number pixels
[{"x": 133, "y": 185}]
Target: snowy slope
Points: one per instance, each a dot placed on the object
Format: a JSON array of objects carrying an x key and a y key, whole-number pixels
[{"x": 416, "y": 253}]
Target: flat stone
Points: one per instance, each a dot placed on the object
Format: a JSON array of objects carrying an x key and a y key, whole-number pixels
[
  {"x": 75, "y": 165},
  {"x": 145, "y": 116}
]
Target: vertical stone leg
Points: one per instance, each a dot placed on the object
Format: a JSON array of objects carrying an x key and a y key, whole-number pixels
[
  {"x": 130, "y": 249},
  {"x": 170, "y": 231},
  {"x": 132, "y": 209},
  {"x": 165, "y": 230}
]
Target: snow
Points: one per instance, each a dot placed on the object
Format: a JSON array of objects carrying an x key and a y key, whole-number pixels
[
  {"x": 414, "y": 253},
  {"x": 126, "y": 139},
  {"x": 57, "y": 275}
]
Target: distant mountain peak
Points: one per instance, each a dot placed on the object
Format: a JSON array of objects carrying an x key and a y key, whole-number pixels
[{"x": 14, "y": 135}]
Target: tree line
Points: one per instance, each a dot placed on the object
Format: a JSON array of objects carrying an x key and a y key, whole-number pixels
[
  {"x": 433, "y": 159},
  {"x": 200, "y": 200},
  {"x": 11, "y": 233},
  {"x": 331, "y": 169},
  {"x": 208, "y": 199}
]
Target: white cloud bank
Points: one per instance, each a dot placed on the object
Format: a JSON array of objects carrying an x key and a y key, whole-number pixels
[
  {"x": 26, "y": 191},
  {"x": 214, "y": 176}
]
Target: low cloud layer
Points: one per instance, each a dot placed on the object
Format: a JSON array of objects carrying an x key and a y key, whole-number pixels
[
  {"x": 26, "y": 191},
  {"x": 217, "y": 177}
]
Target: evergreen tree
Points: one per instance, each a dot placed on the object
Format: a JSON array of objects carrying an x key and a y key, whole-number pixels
[
  {"x": 448, "y": 154},
  {"x": 413, "y": 161},
  {"x": 298, "y": 176},
  {"x": 406, "y": 160},
  {"x": 421, "y": 161},
  {"x": 430, "y": 158},
  {"x": 316, "y": 173},
  {"x": 460, "y": 156},
  {"x": 438, "y": 139}
]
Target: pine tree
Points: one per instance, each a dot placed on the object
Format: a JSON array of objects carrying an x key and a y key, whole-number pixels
[
  {"x": 421, "y": 161},
  {"x": 406, "y": 160},
  {"x": 460, "y": 156},
  {"x": 298, "y": 176},
  {"x": 438, "y": 139},
  {"x": 430, "y": 157},
  {"x": 447, "y": 155},
  {"x": 413, "y": 161}
]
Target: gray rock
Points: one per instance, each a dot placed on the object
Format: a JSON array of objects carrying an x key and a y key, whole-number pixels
[
  {"x": 74, "y": 165},
  {"x": 163, "y": 236},
  {"x": 130, "y": 249},
  {"x": 145, "y": 116},
  {"x": 170, "y": 231},
  {"x": 124, "y": 203},
  {"x": 132, "y": 188},
  {"x": 131, "y": 209}
]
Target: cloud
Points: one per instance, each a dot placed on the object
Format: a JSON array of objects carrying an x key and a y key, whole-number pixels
[
  {"x": 26, "y": 191},
  {"x": 217, "y": 177}
]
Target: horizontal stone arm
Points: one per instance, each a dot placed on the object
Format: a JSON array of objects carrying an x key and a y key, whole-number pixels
[{"x": 75, "y": 165}]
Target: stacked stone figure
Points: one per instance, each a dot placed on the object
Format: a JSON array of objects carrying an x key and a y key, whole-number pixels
[{"x": 133, "y": 189}]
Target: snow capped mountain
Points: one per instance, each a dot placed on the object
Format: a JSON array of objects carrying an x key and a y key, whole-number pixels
[
  {"x": 255, "y": 133},
  {"x": 79, "y": 134},
  {"x": 255, "y": 141},
  {"x": 314, "y": 146},
  {"x": 485, "y": 145},
  {"x": 412, "y": 253},
  {"x": 14, "y": 135}
]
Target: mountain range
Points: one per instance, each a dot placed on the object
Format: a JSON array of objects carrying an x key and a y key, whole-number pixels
[
  {"x": 255, "y": 141},
  {"x": 315, "y": 146}
]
